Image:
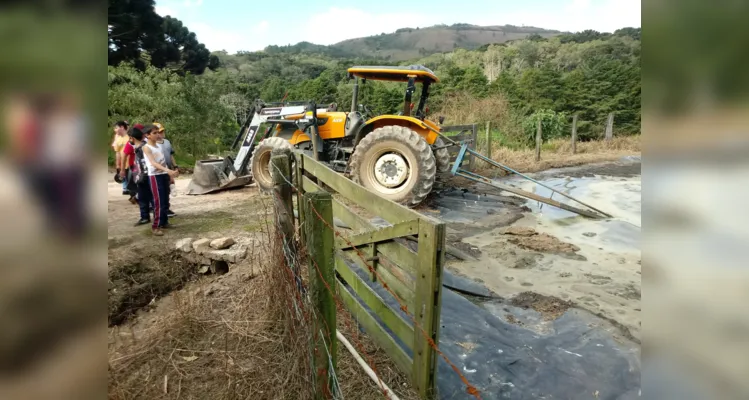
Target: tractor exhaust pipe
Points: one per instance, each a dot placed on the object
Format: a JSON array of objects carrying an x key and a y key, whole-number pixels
[{"x": 355, "y": 96}]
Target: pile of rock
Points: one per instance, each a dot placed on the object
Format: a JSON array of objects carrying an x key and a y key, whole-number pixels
[{"x": 212, "y": 254}]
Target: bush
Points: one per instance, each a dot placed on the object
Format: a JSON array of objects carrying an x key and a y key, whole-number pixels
[{"x": 553, "y": 125}]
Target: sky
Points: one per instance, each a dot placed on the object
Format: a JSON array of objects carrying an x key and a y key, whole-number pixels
[{"x": 235, "y": 25}]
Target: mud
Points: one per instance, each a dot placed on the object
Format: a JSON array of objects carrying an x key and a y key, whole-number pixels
[
  {"x": 526, "y": 245},
  {"x": 550, "y": 307},
  {"x": 527, "y": 238}
]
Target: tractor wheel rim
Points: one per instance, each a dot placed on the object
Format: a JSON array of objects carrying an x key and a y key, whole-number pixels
[{"x": 391, "y": 170}]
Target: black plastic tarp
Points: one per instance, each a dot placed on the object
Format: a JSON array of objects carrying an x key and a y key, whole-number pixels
[{"x": 575, "y": 356}]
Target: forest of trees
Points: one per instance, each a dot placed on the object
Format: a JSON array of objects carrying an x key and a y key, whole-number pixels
[{"x": 203, "y": 100}]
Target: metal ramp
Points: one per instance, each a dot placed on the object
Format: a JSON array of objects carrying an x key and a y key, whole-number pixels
[{"x": 457, "y": 170}]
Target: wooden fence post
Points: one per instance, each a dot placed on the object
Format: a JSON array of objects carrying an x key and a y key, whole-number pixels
[
  {"x": 488, "y": 140},
  {"x": 299, "y": 169},
  {"x": 610, "y": 127},
  {"x": 318, "y": 211},
  {"x": 539, "y": 140},
  {"x": 284, "y": 211},
  {"x": 428, "y": 303},
  {"x": 574, "y": 134}
]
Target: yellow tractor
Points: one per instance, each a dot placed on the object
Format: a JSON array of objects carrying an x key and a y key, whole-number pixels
[{"x": 396, "y": 156}]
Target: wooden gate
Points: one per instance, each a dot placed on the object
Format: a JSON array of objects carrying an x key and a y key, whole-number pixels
[{"x": 412, "y": 277}]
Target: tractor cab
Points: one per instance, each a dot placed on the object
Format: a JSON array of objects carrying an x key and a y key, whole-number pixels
[{"x": 411, "y": 74}]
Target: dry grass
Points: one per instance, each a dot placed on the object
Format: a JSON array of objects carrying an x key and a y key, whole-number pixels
[
  {"x": 464, "y": 108},
  {"x": 237, "y": 338},
  {"x": 558, "y": 153}
]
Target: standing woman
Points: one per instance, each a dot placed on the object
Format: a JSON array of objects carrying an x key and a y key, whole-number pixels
[
  {"x": 158, "y": 175},
  {"x": 118, "y": 144}
]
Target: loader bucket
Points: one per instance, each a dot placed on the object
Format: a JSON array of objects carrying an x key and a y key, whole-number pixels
[{"x": 212, "y": 176}]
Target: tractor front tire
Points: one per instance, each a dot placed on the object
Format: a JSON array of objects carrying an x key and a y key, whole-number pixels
[
  {"x": 442, "y": 156},
  {"x": 260, "y": 161},
  {"x": 396, "y": 163}
]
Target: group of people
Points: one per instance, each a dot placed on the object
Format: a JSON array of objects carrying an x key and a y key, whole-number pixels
[{"x": 146, "y": 168}]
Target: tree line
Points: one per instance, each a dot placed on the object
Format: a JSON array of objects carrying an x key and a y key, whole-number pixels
[{"x": 588, "y": 73}]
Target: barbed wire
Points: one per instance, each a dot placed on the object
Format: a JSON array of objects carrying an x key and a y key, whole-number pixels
[
  {"x": 339, "y": 302},
  {"x": 470, "y": 389}
]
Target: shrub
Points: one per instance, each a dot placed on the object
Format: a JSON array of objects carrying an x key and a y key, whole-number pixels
[{"x": 552, "y": 125}]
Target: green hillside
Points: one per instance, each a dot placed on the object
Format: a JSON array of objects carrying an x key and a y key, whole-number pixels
[{"x": 409, "y": 43}]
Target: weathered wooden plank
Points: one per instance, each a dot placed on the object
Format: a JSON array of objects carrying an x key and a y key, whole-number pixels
[
  {"x": 453, "y": 128},
  {"x": 427, "y": 310},
  {"x": 375, "y": 331},
  {"x": 380, "y": 235},
  {"x": 352, "y": 219},
  {"x": 404, "y": 290},
  {"x": 391, "y": 319},
  {"x": 403, "y": 276},
  {"x": 321, "y": 248},
  {"x": 388, "y": 210},
  {"x": 309, "y": 186},
  {"x": 400, "y": 255}
]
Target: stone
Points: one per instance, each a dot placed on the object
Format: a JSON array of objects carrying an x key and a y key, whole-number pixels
[
  {"x": 222, "y": 243},
  {"x": 201, "y": 245},
  {"x": 589, "y": 234},
  {"x": 185, "y": 245},
  {"x": 203, "y": 269},
  {"x": 228, "y": 255}
]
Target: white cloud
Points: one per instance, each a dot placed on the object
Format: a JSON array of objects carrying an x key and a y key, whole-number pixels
[
  {"x": 338, "y": 24},
  {"x": 218, "y": 39},
  {"x": 262, "y": 27},
  {"x": 164, "y": 11}
]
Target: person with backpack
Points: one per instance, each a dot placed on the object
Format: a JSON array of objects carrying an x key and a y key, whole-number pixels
[
  {"x": 128, "y": 164},
  {"x": 139, "y": 174},
  {"x": 158, "y": 176}
]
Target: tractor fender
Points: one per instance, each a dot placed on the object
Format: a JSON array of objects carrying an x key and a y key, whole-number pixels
[{"x": 419, "y": 126}]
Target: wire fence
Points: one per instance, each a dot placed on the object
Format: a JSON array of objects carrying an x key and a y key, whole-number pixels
[{"x": 301, "y": 313}]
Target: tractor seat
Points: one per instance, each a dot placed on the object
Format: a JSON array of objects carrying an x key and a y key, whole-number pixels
[{"x": 354, "y": 121}]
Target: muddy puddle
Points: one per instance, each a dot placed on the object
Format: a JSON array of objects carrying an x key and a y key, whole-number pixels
[{"x": 522, "y": 245}]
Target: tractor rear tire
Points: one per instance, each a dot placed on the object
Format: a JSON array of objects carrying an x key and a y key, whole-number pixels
[
  {"x": 396, "y": 163},
  {"x": 260, "y": 161}
]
